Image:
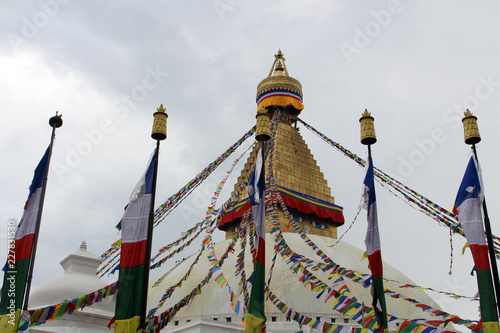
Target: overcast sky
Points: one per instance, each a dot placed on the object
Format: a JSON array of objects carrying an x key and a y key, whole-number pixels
[{"x": 106, "y": 66}]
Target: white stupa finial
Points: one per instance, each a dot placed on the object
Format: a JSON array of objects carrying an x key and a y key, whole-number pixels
[{"x": 83, "y": 246}]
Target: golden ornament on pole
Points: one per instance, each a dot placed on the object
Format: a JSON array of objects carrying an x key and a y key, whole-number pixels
[
  {"x": 471, "y": 131},
  {"x": 367, "y": 129},
  {"x": 263, "y": 130},
  {"x": 160, "y": 124}
]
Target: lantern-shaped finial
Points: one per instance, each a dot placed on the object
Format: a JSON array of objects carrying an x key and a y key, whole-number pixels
[
  {"x": 160, "y": 124},
  {"x": 56, "y": 121},
  {"x": 367, "y": 129},
  {"x": 471, "y": 131},
  {"x": 263, "y": 130}
]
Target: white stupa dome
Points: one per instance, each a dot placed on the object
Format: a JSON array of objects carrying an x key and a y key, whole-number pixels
[{"x": 214, "y": 302}]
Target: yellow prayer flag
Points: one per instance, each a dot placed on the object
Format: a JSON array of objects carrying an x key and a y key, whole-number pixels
[
  {"x": 54, "y": 313},
  {"x": 253, "y": 324},
  {"x": 127, "y": 325},
  {"x": 331, "y": 328},
  {"x": 9, "y": 323},
  {"x": 491, "y": 327},
  {"x": 352, "y": 312}
]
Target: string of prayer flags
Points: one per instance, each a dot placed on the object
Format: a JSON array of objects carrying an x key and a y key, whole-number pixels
[
  {"x": 408, "y": 195},
  {"x": 300, "y": 262},
  {"x": 348, "y": 229},
  {"x": 165, "y": 208},
  {"x": 299, "y": 266},
  {"x": 304, "y": 320},
  {"x": 40, "y": 316},
  {"x": 160, "y": 321}
]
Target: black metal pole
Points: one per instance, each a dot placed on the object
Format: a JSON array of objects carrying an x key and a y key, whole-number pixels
[
  {"x": 54, "y": 122},
  {"x": 145, "y": 283},
  {"x": 491, "y": 247}
]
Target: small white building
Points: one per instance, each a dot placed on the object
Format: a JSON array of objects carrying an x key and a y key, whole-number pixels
[{"x": 79, "y": 278}]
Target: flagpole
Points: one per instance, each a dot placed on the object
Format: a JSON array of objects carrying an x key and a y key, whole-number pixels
[
  {"x": 491, "y": 248},
  {"x": 255, "y": 318},
  {"x": 159, "y": 133},
  {"x": 471, "y": 134},
  {"x": 372, "y": 239},
  {"x": 54, "y": 122}
]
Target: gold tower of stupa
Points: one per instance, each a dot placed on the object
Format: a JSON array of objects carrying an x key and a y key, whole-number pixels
[{"x": 300, "y": 181}]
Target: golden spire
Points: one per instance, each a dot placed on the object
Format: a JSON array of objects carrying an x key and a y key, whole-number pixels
[
  {"x": 279, "y": 70},
  {"x": 278, "y": 79},
  {"x": 278, "y": 65}
]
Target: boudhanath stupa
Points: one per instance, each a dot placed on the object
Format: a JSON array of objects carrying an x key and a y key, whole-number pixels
[
  {"x": 310, "y": 272},
  {"x": 312, "y": 207}
]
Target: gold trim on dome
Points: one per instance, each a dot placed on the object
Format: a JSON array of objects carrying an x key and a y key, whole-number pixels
[{"x": 277, "y": 80}]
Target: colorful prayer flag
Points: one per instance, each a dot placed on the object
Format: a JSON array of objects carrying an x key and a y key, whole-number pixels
[
  {"x": 20, "y": 252},
  {"x": 372, "y": 242},
  {"x": 133, "y": 263},
  {"x": 256, "y": 317},
  {"x": 468, "y": 209}
]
